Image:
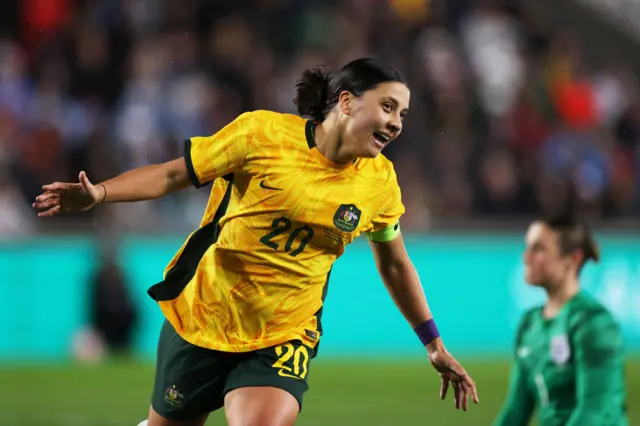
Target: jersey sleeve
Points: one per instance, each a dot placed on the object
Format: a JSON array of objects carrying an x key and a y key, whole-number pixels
[
  {"x": 224, "y": 152},
  {"x": 520, "y": 401},
  {"x": 385, "y": 225},
  {"x": 599, "y": 358}
]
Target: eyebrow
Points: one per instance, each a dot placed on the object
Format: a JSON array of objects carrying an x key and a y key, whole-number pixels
[{"x": 396, "y": 103}]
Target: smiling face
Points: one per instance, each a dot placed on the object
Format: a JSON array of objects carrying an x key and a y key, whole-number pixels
[{"x": 374, "y": 119}]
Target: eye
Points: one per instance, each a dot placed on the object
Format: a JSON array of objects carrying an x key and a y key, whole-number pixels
[
  {"x": 387, "y": 106},
  {"x": 537, "y": 249}
]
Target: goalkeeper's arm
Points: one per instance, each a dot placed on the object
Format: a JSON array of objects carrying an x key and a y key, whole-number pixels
[{"x": 599, "y": 358}]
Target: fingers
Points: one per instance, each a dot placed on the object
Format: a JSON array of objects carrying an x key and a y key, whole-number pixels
[
  {"x": 56, "y": 186},
  {"x": 47, "y": 196},
  {"x": 51, "y": 212},
  {"x": 456, "y": 395},
  {"x": 47, "y": 206},
  {"x": 49, "y": 203},
  {"x": 444, "y": 387},
  {"x": 464, "y": 390},
  {"x": 468, "y": 386},
  {"x": 84, "y": 180},
  {"x": 46, "y": 200},
  {"x": 472, "y": 389},
  {"x": 461, "y": 395},
  {"x": 53, "y": 202},
  {"x": 451, "y": 372}
]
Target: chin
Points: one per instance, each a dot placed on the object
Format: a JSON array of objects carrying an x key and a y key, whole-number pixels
[
  {"x": 372, "y": 149},
  {"x": 372, "y": 152},
  {"x": 532, "y": 280}
]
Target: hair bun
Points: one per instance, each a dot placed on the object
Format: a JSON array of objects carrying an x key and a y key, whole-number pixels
[{"x": 312, "y": 93}]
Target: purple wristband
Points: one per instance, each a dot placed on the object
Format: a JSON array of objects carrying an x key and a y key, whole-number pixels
[{"x": 427, "y": 331}]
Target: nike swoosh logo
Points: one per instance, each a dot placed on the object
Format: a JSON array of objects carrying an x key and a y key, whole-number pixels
[{"x": 264, "y": 186}]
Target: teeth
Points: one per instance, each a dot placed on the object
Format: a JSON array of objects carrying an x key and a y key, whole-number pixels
[{"x": 381, "y": 137}]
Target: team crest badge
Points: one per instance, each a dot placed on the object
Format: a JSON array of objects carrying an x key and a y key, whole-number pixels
[
  {"x": 172, "y": 396},
  {"x": 560, "y": 349},
  {"x": 347, "y": 217}
]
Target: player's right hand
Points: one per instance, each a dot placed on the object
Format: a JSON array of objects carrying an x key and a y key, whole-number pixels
[{"x": 63, "y": 197}]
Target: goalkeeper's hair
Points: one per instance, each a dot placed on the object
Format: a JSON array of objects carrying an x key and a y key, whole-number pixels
[{"x": 574, "y": 234}]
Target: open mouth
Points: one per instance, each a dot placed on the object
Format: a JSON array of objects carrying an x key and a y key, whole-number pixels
[{"x": 381, "y": 139}]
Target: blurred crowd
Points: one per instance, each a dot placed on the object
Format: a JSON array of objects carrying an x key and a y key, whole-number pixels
[{"x": 507, "y": 118}]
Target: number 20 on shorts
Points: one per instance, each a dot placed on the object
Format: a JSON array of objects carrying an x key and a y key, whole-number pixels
[{"x": 292, "y": 362}]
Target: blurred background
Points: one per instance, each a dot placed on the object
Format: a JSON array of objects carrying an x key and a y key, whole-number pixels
[{"x": 518, "y": 108}]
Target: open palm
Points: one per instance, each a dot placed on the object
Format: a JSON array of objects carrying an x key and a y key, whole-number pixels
[{"x": 64, "y": 197}]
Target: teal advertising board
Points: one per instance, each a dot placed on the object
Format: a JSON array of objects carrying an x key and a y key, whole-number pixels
[{"x": 473, "y": 283}]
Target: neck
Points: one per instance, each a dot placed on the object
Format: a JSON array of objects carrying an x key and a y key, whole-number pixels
[
  {"x": 329, "y": 141},
  {"x": 557, "y": 297}
]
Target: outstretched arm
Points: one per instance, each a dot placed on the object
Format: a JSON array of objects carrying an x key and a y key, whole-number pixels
[
  {"x": 146, "y": 183},
  {"x": 402, "y": 281},
  {"x": 143, "y": 183},
  {"x": 205, "y": 159}
]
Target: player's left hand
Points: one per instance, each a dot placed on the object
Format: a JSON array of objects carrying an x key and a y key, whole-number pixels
[{"x": 452, "y": 373}]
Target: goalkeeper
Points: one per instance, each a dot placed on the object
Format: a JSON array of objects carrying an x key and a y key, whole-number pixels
[{"x": 569, "y": 359}]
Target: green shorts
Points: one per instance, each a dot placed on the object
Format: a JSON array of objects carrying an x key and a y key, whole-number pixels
[{"x": 191, "y": 381}]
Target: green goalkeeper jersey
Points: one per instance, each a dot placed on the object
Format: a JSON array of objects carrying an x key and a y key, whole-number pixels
[{"x": 570, "y": 367}]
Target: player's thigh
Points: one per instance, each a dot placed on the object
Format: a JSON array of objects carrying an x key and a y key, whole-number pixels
[
  {"x": 267, "y": 387},
  {"x": 190, "y": 380},
  {"x": 156, "y": 419}
]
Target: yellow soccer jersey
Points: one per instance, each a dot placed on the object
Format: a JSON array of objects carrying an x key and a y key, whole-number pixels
[{"x": 255, "y": 273}]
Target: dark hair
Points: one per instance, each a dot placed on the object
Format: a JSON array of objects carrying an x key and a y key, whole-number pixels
[
  {"x": 574, "y": 234},
  {"x": 317, "y": 91}
]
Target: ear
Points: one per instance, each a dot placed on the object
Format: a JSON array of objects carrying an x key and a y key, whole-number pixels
[
  {"x": 578, "y": 256},
  {"x": 345, "y": 102}
]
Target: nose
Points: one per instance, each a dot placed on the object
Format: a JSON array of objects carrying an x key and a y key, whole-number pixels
[{"x": 395, "y": 126}]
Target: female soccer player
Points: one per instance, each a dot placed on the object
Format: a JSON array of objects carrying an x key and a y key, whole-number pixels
[
  {"x": 243, "y": 296},
  {"x": 569, "y": 352}
]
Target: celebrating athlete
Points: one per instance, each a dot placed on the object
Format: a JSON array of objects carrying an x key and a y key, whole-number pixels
[{"x": 243, "y": 296}]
